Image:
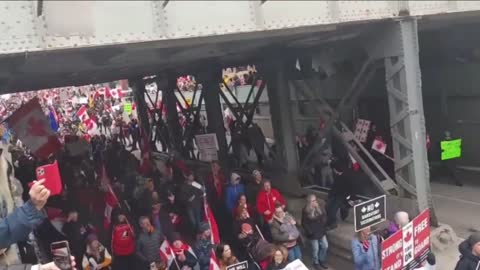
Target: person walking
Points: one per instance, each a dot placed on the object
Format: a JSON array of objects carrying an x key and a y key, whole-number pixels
[{"x": 314, "y": 221}]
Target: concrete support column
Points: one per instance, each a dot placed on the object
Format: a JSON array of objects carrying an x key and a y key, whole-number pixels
[
  {"x": 138, "y": 88},
  {"x": 210, "y": 83},
  {"x": 281, "y": 114},
  {"x": 407, "y": 120},
  {"x": 173, "y": 124}
]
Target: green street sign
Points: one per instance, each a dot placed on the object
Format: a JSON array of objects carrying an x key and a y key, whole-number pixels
[{"x": 451, "y": 149}]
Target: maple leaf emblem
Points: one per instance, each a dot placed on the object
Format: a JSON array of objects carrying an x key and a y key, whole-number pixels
[
  {"x": 408, "y": 237},
  {"x": 36, "y": 127}
]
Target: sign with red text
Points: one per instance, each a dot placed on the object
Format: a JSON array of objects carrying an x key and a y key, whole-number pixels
[{"x": 409, "y": 247}]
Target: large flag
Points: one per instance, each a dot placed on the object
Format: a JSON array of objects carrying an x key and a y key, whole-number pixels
[
  {"x": 111, "y": 200},
  {"x": 85, "y": 118},
  {"x": 33, "y": 129},
  {"x": 210, "y": 218},
  {"x": 116, "y": 93}
]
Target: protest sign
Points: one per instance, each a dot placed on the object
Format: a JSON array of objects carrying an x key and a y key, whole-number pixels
[
  {"x": 296, "y": 265},
  {"x": 207, "y": 146},
  {"x": 361, "y": 130},
  {"x": 451, "y": 149},
  {"x": 127, "y": 107},
  {"x": 369, "y": 213},
  {"x": 409, "y": 247},
  {"x": 238, "y": 266}
]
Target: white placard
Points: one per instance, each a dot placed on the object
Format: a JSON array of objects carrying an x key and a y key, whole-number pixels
[{"x": 207, "y": 146}]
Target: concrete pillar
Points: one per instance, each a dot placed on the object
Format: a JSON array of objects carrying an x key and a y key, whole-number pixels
[
  {"x": 281, "y": 114},
  {"x": 407, "y": 120},
  {"x": 138, "y": 88},
  {"x": 173, "y": 124},
  {"x": 211, "y": 86}
]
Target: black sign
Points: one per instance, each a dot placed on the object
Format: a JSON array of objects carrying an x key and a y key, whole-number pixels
[
  {"x": 370, "y": 213},
  {"x": 238, "y": 266}
]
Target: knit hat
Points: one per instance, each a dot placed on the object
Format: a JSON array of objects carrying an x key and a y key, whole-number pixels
[
  {"x": 203, "y": 227},
  {"x": 246, "y": 228},
  {"x": 234, "y": 177},
  {"x": 256, "y": 172},
  {"x": 91, "y": 237},
  {"x": 474, "y": 239}
]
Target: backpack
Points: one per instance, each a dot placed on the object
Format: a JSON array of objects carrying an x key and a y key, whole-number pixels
[{"x": 123, "y": 240}]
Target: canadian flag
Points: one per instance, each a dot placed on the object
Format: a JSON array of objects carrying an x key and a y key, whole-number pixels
[
  {"x": 166, "y": 253},
  {"x": 111, "y": 200},
  {"x": 379, "y": 146},
  {"x": 213, "y": 261},
  {"x": 116, "y": 93},
  {"x": 32, "y": 127},
  {"x": 85, "y": 118},
  {"x": 210, "y": 218}
]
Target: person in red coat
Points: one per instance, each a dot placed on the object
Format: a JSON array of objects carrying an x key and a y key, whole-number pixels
[{"x": 266, "y": 200}]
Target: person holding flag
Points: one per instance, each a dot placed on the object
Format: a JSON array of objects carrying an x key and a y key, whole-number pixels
[
  {"x": 185, "y": 258},
  {"x": 204, "y": 246}
]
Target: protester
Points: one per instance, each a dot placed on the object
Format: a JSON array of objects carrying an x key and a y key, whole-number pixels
[
  {"x": 314, "y": 221},
  {"x": 96, "y": 256},
  {"x": 255, "y": 245},
  {"x": 285, "y": 232},
  {"x": 279, "y": 258},
  {"x": 148, "y": 244},
  {"x": 254, "y": 186},
  {"x": 123, "y": 243},
  {"x": 75, "y": 233},
  {"x": 161, "y": 220},
  {"x": 400, "y": 220},
  {"x": 203, "y": 247},
  {"x": 225, "y": 256},
  {"x": 341, "y": 195},
  {"x": 185, "y": 259},
  {"x": 267, "y": 199},
  {"x": 191, "y": 194},
  {"x": 365, "y": 248},
  {"x": 17, "y": 225},
  {"x": 233, "y": 192},
  {"x": 469, "y": 253},
  {"x": 242, "y": 202},
  {"x": 215, "y": 182}
]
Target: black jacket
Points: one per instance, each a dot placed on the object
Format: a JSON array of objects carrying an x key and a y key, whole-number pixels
[
  {"x": 343, "y": 186},
  {"x": 190, "y": 261},
  {"x": 467, "y": 261},
  {"x": 252, "y": 190},
  {"x": 315, "y": 227},
  {"x": 272, "y": 266}
]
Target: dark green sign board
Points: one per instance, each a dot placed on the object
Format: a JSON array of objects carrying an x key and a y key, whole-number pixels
[{"x": 451, "y": 149}]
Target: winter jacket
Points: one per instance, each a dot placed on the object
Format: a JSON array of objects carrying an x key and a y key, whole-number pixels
[
  {"x": 190, "y": 195},
  {"x": 273, "y": 266},
  {"x": 283, "y": 230},
  {"x": 232, "y": 194},
  {"x": 366, "y": 260},
  {"x": 17, "y": 225},
  {"x": 190, "y": 258},
  {"x": 266, "y": 201},
  {"x": 203, "y": 249},
  {"x": 315, "y": 227},
  {"x": 467, "y": 261},
  {"x": 148, "y": 246},
  {"x": 163, "y": 223}
]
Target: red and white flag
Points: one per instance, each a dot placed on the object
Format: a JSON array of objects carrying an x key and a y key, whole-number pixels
[
  {"x": 166, "y": 253},
  {"x": 85, "y": 118},
  {"x": 210, "y": 218},
  {"x": 103, "y": 91},
  {"x": 32, "y": 127},
  {"x": 379, "y": 146},
  {"x": 111, "y": 202},
  {"x": 355, "y": 165},
  {"x": 116, "y": 93},
  {"x": 213, "y": 261}
]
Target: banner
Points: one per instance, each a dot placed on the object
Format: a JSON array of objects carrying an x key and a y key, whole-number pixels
[
  {"x": 370, "y": 213},
  {"x": 409, "y": 247},
  {"x": 238, "y": 266},
  {"x": 361, "y": 130}
]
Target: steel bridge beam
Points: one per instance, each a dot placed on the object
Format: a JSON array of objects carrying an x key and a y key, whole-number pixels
[{"x": 404, "y": 90}]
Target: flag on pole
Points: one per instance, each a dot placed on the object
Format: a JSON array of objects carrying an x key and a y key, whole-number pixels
[
  {"x": 33, "y": 129},
  {"x": 210, "y": 218},
  {"x": 213, "y": 261},
  {"x": 52, "y": 115},
  {"x": 166, "y": 253},
  {"x": 379, "y": 146},
  {"x": 116, "y": 93}
]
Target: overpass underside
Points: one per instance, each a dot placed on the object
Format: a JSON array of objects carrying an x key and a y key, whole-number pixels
[{"x": 315, "y": 51}]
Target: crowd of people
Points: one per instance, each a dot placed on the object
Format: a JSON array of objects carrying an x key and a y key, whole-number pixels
[{"x": 153, "y": 211}]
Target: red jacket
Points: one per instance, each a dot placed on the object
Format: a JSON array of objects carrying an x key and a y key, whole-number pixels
[{"x": 266, "y": 201}]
